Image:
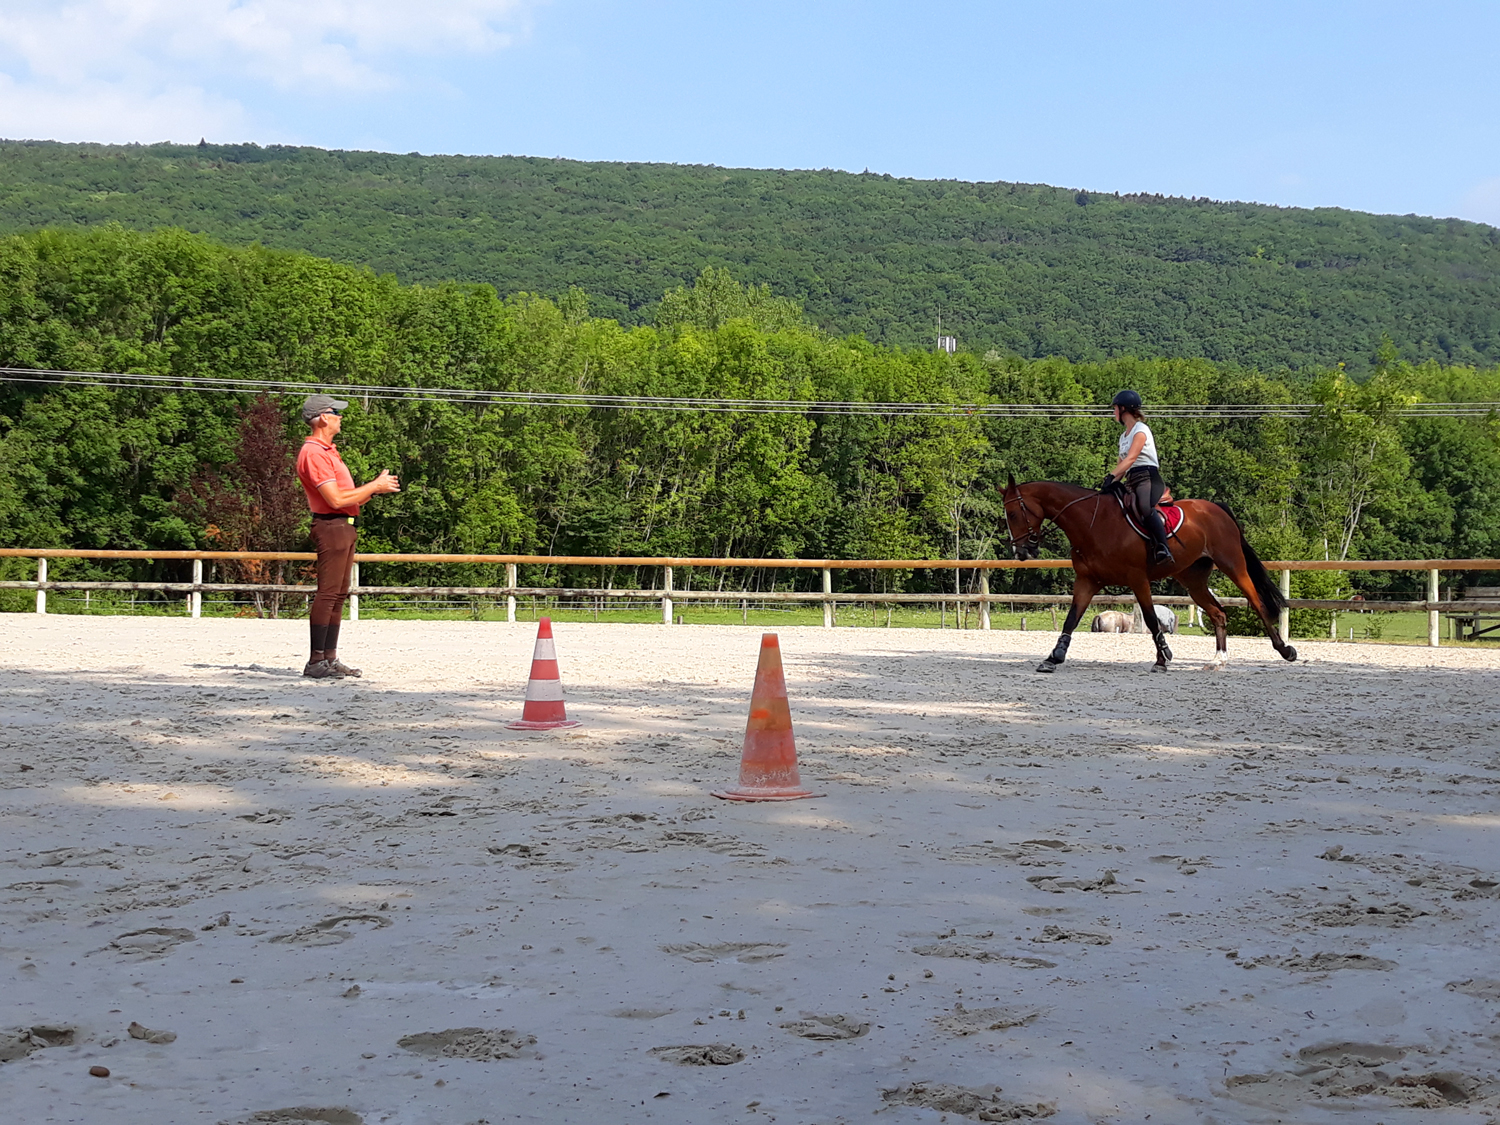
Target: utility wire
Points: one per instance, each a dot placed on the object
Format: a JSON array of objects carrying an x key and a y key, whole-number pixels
[{"x": 464, "y": 396}]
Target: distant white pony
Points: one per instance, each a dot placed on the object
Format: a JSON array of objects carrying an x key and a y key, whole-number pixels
[{"x": 1167, "y": 618}]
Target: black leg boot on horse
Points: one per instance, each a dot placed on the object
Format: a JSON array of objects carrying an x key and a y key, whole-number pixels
[{"x": 1083, "y": 593}]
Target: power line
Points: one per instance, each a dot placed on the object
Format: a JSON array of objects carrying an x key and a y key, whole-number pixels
[{"x": 464, "y": 396}]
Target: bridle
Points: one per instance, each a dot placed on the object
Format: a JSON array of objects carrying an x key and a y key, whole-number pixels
[{"x": 1033, "y": 536}]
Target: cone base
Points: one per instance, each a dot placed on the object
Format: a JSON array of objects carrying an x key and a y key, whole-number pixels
[
  {"x": 526, "y": 724},
  {"x": 797, "y": 794}
]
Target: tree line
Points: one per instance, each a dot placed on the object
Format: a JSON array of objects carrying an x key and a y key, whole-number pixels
[
  {"x": 86, "y": 466},
  {"x": 1020, "y": 268}
]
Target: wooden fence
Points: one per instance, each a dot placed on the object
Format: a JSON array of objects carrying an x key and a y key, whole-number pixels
[{"x": 668, "y": 594}]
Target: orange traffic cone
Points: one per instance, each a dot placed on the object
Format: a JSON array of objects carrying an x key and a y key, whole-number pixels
[
  {"x": 544, "y": 708},
  {"x": 768, "y": 765}
]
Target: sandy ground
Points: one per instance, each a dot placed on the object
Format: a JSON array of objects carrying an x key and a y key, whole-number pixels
[{"x": 1263, "y": 895}]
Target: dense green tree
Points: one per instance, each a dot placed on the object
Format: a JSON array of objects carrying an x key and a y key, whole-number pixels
[
  {"x": 88, "y": 466},
  {"x": 1025, "y": 269}
]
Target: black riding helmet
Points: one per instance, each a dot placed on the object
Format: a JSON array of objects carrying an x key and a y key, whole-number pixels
[{"x": 1128, "y": 400}]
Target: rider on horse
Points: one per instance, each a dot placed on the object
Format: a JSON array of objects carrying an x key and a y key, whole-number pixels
[{"x": 1141, "y": 472}]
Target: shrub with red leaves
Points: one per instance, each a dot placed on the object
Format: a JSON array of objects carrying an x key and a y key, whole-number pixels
[{"x": 253, "y": 503}]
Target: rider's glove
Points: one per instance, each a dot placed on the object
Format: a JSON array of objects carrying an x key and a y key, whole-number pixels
[{"x": 1107, "y": 483}]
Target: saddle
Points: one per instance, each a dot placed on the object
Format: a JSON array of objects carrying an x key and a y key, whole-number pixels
[{"x": 1171, "y": 513}]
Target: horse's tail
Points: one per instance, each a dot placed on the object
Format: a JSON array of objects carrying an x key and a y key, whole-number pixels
[{"x": 1260, "y": 578}]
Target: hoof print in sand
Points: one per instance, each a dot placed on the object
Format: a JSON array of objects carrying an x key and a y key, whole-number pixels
[
  {"x": 17, "y": 1043},
  {"x": 746, "y": 952},
  {"x": 705, "y": 1054},
  {"x": 270, "y": 816},
  {"x": 158, "y": 941},
  {"x": 1478, "y": 888},
  {"x": 1481, "y": 987},
  {"x": 968, "y": 1021},
  {"x": 827, "y": 1027},
  {"x": 979, "y": 953},
  {"x": 1353, "y": 913},
  {"x": 137, "y": 1031},
  {"x": 1106, "y": 883},
  {"x": 1057, "y": 933},
  {"x": 468, "y": 1043},
  {"x": 1431, "y": 1091},
  {"x": 302, "y": 1115},
  {"x": 1327, "y": 962},
  {"x": 982, "y": 1104},
  {"x": 714, "y": 842},
  {"x": 331, "y": 931},
  {"x": 1344, "y": 1072}
]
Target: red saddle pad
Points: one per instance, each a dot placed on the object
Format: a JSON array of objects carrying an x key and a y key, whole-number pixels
[{"x": 1173, "y": 516}]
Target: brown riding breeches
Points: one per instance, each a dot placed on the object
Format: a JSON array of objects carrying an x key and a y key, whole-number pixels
[{"x": 334, "y": 541}]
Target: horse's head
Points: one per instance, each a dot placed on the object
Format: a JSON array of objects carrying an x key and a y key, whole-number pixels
[{"x": 1023, "y": 521}]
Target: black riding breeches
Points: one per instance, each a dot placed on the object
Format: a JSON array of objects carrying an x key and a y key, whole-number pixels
[{"x": 1146, "y": 485}]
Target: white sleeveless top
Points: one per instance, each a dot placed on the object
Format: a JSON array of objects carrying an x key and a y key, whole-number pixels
[{"x": 1148, "y": 451}]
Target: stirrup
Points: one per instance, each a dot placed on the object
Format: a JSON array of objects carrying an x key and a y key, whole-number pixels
[{"x": 1163, "y": 555}]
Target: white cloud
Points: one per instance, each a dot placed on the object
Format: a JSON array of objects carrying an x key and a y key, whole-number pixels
[
  {"x": 104, "y": 111},
  {"x": 1482, "y": 203},
  {"x": 155, "y": 68}
]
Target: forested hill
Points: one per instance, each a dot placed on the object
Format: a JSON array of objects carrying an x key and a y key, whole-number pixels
[{"x": 1024, "y": 269}]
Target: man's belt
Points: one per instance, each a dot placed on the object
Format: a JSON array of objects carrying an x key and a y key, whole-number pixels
[{"x": 334, "y": 516}]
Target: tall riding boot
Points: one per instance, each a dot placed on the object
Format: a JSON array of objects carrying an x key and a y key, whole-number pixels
[{"x": 1159, "y": 534}]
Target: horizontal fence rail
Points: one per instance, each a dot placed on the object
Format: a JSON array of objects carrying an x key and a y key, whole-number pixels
[
  {"x": 668, "y": 560},
  {"x": 1470, "y": 609}
]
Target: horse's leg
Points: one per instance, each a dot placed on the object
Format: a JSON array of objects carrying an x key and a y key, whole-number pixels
[
  {"x": 1084, "y": 589},
  {"x": 1142, "y": 588},
  {"x": 1195, "y": 579},
  {"x": 1237, "y": 569}
]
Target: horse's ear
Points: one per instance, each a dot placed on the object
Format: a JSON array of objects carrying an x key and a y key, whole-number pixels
[{"x": 1010, "y": 482}]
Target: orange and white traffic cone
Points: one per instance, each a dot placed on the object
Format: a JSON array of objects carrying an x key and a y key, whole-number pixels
[
  {"x": 544, "y": 708},
  {"x": 768, "y": 764}
]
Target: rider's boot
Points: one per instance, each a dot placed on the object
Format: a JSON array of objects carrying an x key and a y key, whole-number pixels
[{"x": 1161, "y": 554}]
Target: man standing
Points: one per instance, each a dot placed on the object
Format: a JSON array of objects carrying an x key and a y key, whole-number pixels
[{"x": 335, "y": 507}]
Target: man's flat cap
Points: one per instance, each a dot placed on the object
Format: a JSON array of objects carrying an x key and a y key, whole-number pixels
[{"x": 318, "y": 404}]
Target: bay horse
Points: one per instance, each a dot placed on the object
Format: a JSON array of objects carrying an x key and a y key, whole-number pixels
[{"x": 1107, "y": 551}]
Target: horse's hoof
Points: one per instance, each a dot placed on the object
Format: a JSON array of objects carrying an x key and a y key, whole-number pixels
[
  {"x": 1213, "y": 666},
  {"x": 1046, "y": 666},
  {"x": 1289, "y": 653},
  {"x": 1158, "y": 668}
]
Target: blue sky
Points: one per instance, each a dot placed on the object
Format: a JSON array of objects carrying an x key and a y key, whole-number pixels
[{"x": 1376, "y": 106}]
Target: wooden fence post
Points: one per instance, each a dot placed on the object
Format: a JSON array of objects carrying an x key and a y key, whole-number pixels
[
  {"x": 1434, "y": 618},
  {"x": 1284, "y": 620},
  {"x": 984, "y": 607},
  {"x": 827, "y": 606},
  {"x": 41, "y": 576},
  {"x": 666, "y": 595},
  {"x": 195, "y": 599},
  {"x": 510, "y": 601},
  {"x": 353, "y": 597}
]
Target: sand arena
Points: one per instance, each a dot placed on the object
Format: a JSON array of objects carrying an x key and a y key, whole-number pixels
[{"x": 1263, "y": 895}]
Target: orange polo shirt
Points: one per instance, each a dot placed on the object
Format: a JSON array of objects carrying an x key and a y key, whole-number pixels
[{"x": 319, "y": 463}]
